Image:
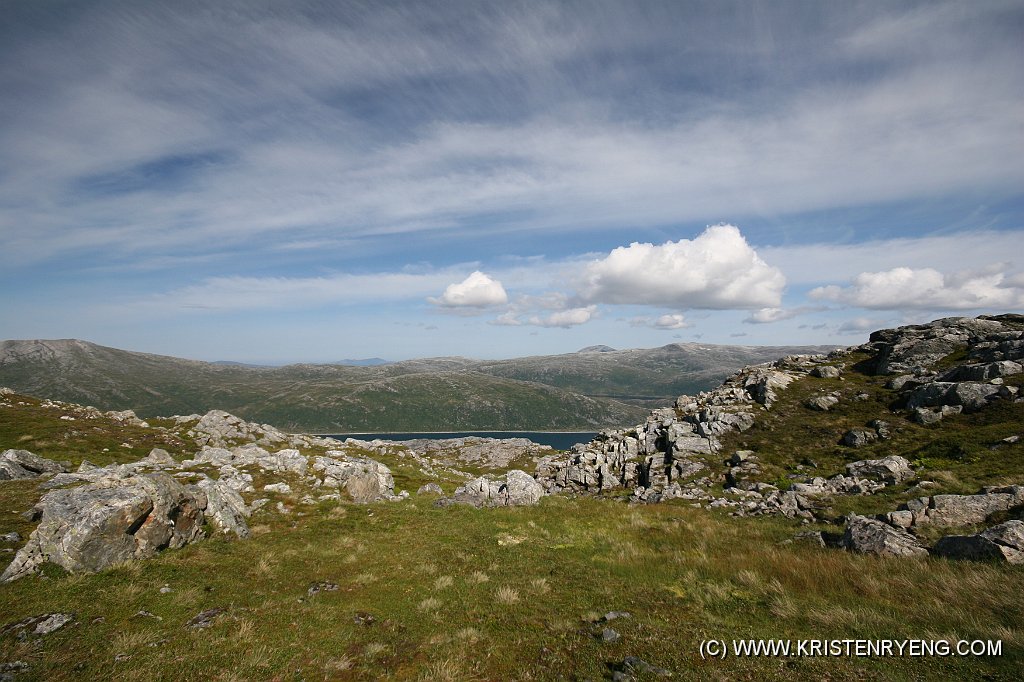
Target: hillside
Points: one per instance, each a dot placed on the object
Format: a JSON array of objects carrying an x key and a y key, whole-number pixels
[
  {"x": 872, "y": 494},
  {"x": 584, "y": 390}
]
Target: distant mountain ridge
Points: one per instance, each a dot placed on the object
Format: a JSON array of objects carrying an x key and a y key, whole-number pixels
[{"x": 589, "y": 390}]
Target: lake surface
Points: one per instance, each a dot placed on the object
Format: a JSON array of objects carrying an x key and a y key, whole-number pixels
[{"x": 560, "y": 440}]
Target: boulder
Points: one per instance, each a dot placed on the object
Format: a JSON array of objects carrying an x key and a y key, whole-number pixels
[
  {"x": 826, "y": 372},
  {"x": 21, "y": 464},
  {"x": 859, "y": 437},
  {"x": 971, "y": 396},
  {"x": 225, "y": 509},
  {"x": 99, "y": 524},
  {"x": 365, "y": 480},
  {"x": 518, "y": 489},
  {"x": 430, "y": 489},
  {"x": 965, "y": 510},
  {"x": 822, "y": 403},
  {"x": 893, "y": 469},
  {"x": 871, "y": 536},
  {"x": 1004, "y": 542}
]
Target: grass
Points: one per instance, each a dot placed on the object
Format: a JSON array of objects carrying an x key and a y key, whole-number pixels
[
  {"x": 525, "y": 610},
  {"x": 427, "y": 593}
]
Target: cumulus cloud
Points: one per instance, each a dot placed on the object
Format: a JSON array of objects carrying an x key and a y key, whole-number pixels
[
  {"x": 565, "y": 318},
  {"x": 476, "y": 291},
  {"x": 928, "y": 289},
  {"x": 717, "y": 270}
]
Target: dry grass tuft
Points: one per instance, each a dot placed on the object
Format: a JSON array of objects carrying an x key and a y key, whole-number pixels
[
  {"x": 540, "y": 585},
  {"x": 478, "y": 577},
  {"x": 506, "y": 595},
  {"x": 444, "y": 582},
  {"x": 430, "y": 604}
]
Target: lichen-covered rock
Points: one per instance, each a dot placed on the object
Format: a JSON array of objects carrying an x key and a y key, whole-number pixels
[
  {"x": 1004, "y": 542},
  {"x": 224, "y": 508},
  {"x": 365, "y": 480},
  {"x": 518, "y": 489},
  {"x": 99, "y": 524},
  {"x": 859, "y": 437},
  {"x": 22, "y": 464},
  {"x": 871, "y": 536},
  {"x": 822, "y": 403},
  {"x": 893, "y": 469}
]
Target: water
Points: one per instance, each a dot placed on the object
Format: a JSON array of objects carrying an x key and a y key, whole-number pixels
[{"x": 560, "y": 440}]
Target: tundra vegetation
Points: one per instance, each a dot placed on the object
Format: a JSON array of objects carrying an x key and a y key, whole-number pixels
[{"x": 614, "y": 560}]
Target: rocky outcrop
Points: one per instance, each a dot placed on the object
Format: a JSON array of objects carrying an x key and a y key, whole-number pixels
[
  {"x": 22, "y": 464},
  {"x": 365, "y": 480},
  {"x": 221, "y": 429},
  {"x": 871, "y": 536},
  {"x": 496, "y": 453},
  {"x": 956, "y": 510},
  {"x": 99, "y": 524},
  {"x": 1003, "y": 543},
  {"x": 516, "y": 490},
  {"x": 655, "y": 459},
  {"x": 915, "y": 347},
  {"x": 223, "y": 507},
  {"x": 892, "y": 470}
]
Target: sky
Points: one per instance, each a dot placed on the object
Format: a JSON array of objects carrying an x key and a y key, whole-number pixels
[{"x": 309, "y": 181}]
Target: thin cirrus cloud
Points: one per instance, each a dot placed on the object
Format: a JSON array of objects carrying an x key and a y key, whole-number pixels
[
  {"x": 476, "y": 291},
  {"x": 565, "y": 318},
  {"x": 716, "y": 270},
  {"x": 928, "y": 289},
  {"x": 669, "y": 321}
]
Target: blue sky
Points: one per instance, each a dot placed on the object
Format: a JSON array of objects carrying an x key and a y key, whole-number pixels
[{"x": 279, "y": 182}]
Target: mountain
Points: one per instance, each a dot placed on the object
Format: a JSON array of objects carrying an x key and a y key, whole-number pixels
[{"x": 558, "y": 392}]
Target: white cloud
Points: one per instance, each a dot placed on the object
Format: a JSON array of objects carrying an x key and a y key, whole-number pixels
[
  {"x": 267, "y": 293},
  {"x": 667, "y": 321},
  {"x": 928, "y": 289},
  {"x": 476, "y": 291},
  {"x": 768, "y": 315},
  {"x": 565, "y": 318},
  {"x": 716, "y": 270}
]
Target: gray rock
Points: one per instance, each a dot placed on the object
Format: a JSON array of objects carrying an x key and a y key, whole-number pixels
[
  {"x": 859, "y": 437},
  {"x": 430, "y": 489},
  {"x": 94, "y": 526},
  {"x": 518, "y": 489},
  {"x": 1004, "y": 542},
  {"x": 365, "y": 480},
  {"x": 871, "y": 536},
  {"x": 826, "y": 372},
  {"x": 160, "y": 456},
  {"x": 52, "y": 622},
  {"x": 608, "y": 635},
  {"x": 205, "y": 619},
  {"x": 281, "y": 488},
  {"x": 893, "y": 469},
  {"x": 964, "y": 510},
  {"x": 970, "y": 395},
  {"x": 22, "y": 464},
  {"x": 822, "y": 403},
  {"x": 224, "y": 509},
  {"x": 10, "y": 537}
]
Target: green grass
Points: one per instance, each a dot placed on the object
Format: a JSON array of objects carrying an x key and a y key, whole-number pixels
[
  {"x": 460, "y": 593},
  {"x": 427, "y": 593}
]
